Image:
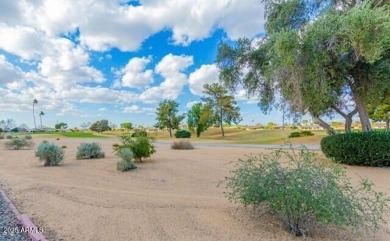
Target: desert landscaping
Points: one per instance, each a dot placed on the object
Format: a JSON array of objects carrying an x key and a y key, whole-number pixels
[{"x": 173, "y": 195}]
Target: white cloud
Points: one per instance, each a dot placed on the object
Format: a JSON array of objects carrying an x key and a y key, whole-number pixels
[
  {"x": 134, "y": 73},
  {"x": 107, "y": 24},
  {"x": 137, "y": 109},
  {"x": 23, "y": 41},
  {"x": 8, "y": 72},
  {"x": 68, "y": 64},
  {"x": 206, "y": 74},
  {"x": 191, "y": 103},
  {"x": 171, "y": 68},
  {"x": 102, "y": 109}
]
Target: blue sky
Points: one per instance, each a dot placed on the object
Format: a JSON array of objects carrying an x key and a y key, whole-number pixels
[{"x": 86, "y": 60}]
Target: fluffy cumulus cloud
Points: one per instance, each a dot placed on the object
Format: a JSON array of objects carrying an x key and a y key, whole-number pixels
[
  {"x": 138, "y": 109},
  {"x": 206, "y": 74},
  {"x": 56, "y": 46},
  {"x": 8, "y": 72},
  {"x": 134, "y": 73},
  {"x": 171, "y": 68}
]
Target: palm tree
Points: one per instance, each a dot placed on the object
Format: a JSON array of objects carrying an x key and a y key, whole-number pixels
[
  {"x": 34, "y": 102},
  {"x": 40, "y": 116}
]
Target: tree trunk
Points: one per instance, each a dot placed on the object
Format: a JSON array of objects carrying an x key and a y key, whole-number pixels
[
  {"x": 363, "y": 114},
  {"x": 347, "y": 117},
  {"x": 221, "y": 123},
  {"x": 41, "y": 121},
  {"x": 170, "y": 132},
  {"x": 387, "y": 124},
  {"x": 329, "y": 130},
  {"x": 35, "y": 125}
]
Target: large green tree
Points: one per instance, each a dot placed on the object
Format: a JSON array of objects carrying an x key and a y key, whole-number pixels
[
  {"x": 315, "y": 53},
  {"x": 380, "y": 112},
  {"x": 225, "y": 108},
  {"x": 200, "y": 118},
  {"x": 167, "y": 116},
  {"x": 61, "y": 126},
  {"x": 100, "y": 126},
  {"x": 127, "y": 125}
]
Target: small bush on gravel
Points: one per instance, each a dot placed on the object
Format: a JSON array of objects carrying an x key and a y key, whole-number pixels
[
  {"x": 9, "y": 137},
  {"x": 141, "y": 146},
  {"x": 182, "y": 145},
  {"x": 89, "y": 150},
  {"x": 126, "y": 161},
  {"x": 50, "y": 154},
  {"x": 18, "y": 143},
  {"x": 358, "y": 148},
  {"x": 183, "y": 134},
  {"x": 28, "y": 137},
  {"x": 303, "y": 191}
]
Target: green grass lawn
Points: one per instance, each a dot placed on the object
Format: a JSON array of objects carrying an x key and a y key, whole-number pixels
[
  {"x": 243, "y": 136},
  {"x": 68, "y": 134}
]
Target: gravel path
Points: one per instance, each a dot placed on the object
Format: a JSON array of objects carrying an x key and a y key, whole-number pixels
[{"x": 10, "y": 229}]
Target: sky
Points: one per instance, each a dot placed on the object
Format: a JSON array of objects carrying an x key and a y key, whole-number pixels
[{"x": 87, "y": 60}]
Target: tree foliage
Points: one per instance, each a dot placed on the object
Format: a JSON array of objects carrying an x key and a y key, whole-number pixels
[
  {"x": 127, "y": 125},
  {"x": 380, "y": 112},
  {"x": 315, "y": 52},
  {"x": 167, "y": 116},
  {"x": 223, "y": 105},
  {"x": 61, "y": 126},
  {"x": 200, "y": 118},
  {"x": 100, "y": 126}
]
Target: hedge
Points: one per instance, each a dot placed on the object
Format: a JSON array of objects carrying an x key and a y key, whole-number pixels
[{"x": 358, "y": 148}]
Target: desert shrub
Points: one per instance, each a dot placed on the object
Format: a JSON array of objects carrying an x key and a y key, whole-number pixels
[
  {"x": 1, "y": 137},
  {"x": 58, "y": 139},
  {"x": 28, "y": 137},
  {"x": 139, "y": 133},
  {"x": 63, "y": 147},
  {"x": 126, "y": 161},
  {"x": 50, "y": 153},
  {"x": 300, "y": 134},
  {"x": 9, "y": 137},
  {"x": 141, "y": 146},
  {"x": 306, "y": 133},
  {"x": 115, "y": 145},
  {"x": 89, "y": 150},
  {"x": 358, "y": 148},
  {"x": 18, "y": 143},
  {"x": 294, "y": 134},
  {"x": 303, "y": 192},
  {"x": 183, "y": 134},
  {"x": 182, "y": 145}
]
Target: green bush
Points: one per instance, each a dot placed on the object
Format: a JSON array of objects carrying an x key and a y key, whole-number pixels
[
  {"x": 358, "y": 148},
  {"x": 50, "y": 153},
  {"x": 28, "y": 137},
  {"x": 307, "y": 133},
  {"x": 139, "y": 133},
  {"x": 294, "y": 134},
  {"x": 126, "y": 161},
  {"x": 141, "y": 146},
  {"x": 182, "y": 145},
  {"x": 303, "y": 192},
  {"x": 300, "y": 134},
  {"x": 18, "y": 143},
  {"x": 183, "y": 134},
  {"x": 9, "y": 137},
  {"x": 89, "y": 150}
]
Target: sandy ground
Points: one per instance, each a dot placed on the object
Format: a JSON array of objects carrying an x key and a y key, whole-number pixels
[{"x": 174, "y": 195}]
